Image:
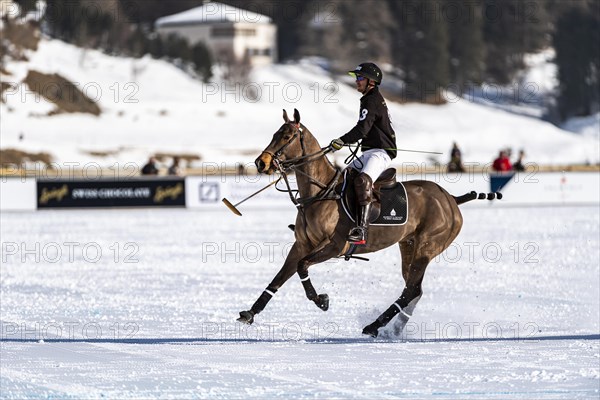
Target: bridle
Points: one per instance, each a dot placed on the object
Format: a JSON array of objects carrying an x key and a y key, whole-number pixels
[
  {"x": 286, "y": 166},
  {"x": 298, "y": 133}
]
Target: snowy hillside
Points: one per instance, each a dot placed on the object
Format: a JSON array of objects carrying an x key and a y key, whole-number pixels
[
  {"x": 151, "y": 106},
  {"x": 586, "y": 126}
]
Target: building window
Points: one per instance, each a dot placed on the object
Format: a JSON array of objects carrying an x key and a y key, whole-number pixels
[
  {"x": 230, "y": 31},
  {"x": 258, "y": 52},
  {"x": 245, "y": 32},
  {"x": 223, "y": 31}
]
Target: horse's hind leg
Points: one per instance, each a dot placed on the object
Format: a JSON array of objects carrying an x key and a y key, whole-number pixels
[
  {"x": 414, "y": 263},
  {"x": 288, "y": 269}
]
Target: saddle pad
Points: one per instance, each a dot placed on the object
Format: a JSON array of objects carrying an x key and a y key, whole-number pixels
[{"x": 394, "y": 206}]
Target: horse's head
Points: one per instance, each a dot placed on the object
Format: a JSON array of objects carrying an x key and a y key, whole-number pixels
[{"x": 286, "y": 144}]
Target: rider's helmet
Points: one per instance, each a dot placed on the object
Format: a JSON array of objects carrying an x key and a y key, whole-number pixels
[{"x": 369, "y": 71}]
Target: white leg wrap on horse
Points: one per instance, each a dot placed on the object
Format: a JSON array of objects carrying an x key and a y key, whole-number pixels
[
  {"x": 304, "y": 279},
  {"x": 267, "y": 291},
  {"x": 407, "y": 311},
  {"x": 403, "y": 312}
]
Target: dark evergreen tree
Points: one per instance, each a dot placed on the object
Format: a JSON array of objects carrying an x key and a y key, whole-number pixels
[
  {"x": 26, "y": 6},
  {"x": 290, "y": 17},
  {"x": 98, "y": 24},
  {"x": 511, "y": 29},
  {"x": 156, "y": 46},
  {"x": 177, "y": 48},
  {"x": 202, "y": 59},
  {"x": 401, "y": 33},
  {"x": 138, "y": 43},
  {"x": 62, "y": 18},
  {"x": 148, "y": 11},
  {"x": 420, "y": 48},
  {"x": 466, "y": 48},
  {"x": 354, "y": 32},
  {"x": 578, "y": 58}
]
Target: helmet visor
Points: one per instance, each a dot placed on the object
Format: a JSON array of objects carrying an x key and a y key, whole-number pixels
[{"x": 356, "y": 75}]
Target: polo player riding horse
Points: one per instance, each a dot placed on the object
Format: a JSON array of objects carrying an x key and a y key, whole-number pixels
[{"x": 322, "y": 226}]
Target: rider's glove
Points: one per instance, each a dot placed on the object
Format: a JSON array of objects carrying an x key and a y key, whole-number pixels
[{"x": 336, "y": 144}]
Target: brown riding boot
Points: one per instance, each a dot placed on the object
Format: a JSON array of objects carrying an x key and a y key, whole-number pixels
[{"x": 363, "y": 184}]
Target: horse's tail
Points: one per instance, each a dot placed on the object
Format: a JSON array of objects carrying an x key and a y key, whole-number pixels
[{"x": 473, "y": 195}]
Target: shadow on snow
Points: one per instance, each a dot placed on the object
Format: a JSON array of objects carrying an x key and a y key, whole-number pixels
[{"x": 199, "y": 341}]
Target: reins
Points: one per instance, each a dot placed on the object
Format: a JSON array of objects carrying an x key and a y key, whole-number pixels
[
  {"x": 353, "y": 153},
  {"x": 285, "y": 166}
]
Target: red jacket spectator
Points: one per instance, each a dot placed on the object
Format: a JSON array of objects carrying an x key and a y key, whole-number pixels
[{"x": 502, "y": 163}]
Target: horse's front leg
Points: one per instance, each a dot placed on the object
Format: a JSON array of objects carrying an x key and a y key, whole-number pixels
[
  {"x": 288, "y": 269},
  {"x": 323, "y": 252}
]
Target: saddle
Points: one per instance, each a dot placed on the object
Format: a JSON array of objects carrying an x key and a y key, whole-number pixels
[{"x": 390, "y": 203}]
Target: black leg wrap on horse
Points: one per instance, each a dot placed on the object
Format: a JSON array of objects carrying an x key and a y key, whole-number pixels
[
  {"x": 389, "y": 314},
  {"x": 405, "y": 314},
  {"x": 408, "y": 307},
  {"x": 321, "y": 300},
  {"x": 311, "y": 293},
  {"x": 381, "y": 321},
  {"x": 262, "y": 301}
]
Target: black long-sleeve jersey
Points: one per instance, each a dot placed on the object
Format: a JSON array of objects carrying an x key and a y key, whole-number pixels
[{"x": 373, "y": 126}]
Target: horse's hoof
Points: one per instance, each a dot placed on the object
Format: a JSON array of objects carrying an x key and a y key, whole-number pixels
[
  {"x": 371, "y": 330},
  {"x": 246, "y": 317},
  {"x": 323, "y": 302}
]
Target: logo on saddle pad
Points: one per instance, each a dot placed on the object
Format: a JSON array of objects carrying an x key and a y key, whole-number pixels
[{"x": 393, "y": 216}]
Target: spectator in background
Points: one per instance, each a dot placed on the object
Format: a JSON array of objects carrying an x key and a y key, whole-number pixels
[
  {"x": 174, "y": 168},
  {"x": 241, "y": 169},
  {"x": 150, "y": 168},
  {"x": 455, "y": 164},
  {"x": 518, "y": 165},
  {"x": 502, "y": 163}
]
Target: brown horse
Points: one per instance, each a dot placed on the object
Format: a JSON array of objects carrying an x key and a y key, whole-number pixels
[{"x": 322, "y": 226}]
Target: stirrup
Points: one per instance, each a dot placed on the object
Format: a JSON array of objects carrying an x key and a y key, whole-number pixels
[{"x": 358, "y": 236}]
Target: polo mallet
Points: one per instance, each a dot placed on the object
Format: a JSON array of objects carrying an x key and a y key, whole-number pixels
[{"x": 233, "y": 208}]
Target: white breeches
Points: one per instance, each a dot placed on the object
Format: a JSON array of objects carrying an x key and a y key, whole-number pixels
[{"x": 372, "y": 162}]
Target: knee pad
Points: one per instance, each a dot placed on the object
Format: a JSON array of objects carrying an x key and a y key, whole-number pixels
[{"x": 363, "y": 184}]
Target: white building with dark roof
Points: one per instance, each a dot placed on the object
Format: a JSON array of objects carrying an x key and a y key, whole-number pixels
[{"x": 232, "y": 34}]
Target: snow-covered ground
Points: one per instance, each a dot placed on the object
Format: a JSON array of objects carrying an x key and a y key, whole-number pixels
[
  {"x": 586, "y": 126},
  {"x": 151, "y": 106},
  {"x": 142, "y": 304}
]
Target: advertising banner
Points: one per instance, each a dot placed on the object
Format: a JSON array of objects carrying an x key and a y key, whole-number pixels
[
  {"x": 111, "y": 193},
  {"x": 208, "y": 192}
]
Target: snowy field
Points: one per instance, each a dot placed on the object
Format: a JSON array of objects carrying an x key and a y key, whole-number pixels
[{"x": 142, "y": 304}]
